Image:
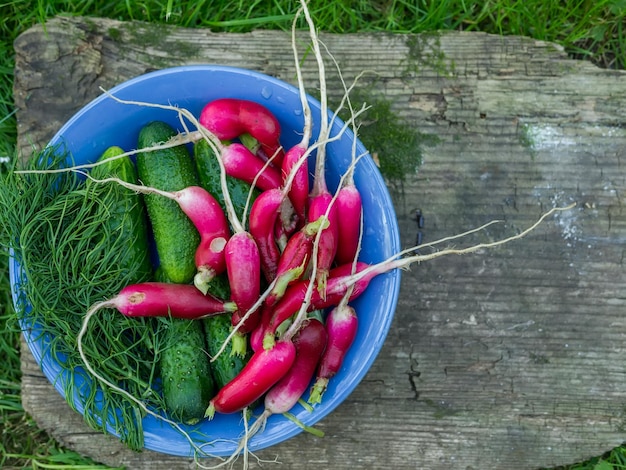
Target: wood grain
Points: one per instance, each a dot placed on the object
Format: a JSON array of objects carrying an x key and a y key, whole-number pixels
[{"x": 508, "y": 358}]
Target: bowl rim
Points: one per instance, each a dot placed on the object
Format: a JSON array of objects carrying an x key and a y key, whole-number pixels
[{"x": 56, "y": 374}]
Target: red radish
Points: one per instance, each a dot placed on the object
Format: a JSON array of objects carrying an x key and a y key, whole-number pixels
[
  {"x": 244, "y": 276},
  {"x": 261, "y": 372},
  {"x": 341, "y": 327},
  {"x": 294, "y": 259},
  {"x": 321, "y": 201},
  {"x": 339, "y": 281},
  {"x": 299, "y": 188},
  {"x": 161, "y": 299},
  {"x": 348, "y": 205},
  {"x": 310, "y": 342},
  {"x": 240, "y": 162},
  {"x": 212, "y": 224},
  {"x": 229, "y": 118},
  {"x": 268, "y": 208},
  {"x": 322, "y": 204}
]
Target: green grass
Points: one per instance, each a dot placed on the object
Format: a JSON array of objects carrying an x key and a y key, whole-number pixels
[{"x": 587, "y": 29}]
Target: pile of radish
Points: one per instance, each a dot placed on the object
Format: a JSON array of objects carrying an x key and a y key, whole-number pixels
[
  {"x": 307, "y": 257},
  {"x": 293, "y": 256}
]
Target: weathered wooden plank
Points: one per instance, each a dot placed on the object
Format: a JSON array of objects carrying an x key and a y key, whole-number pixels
[{"x": 509, "y": 357}]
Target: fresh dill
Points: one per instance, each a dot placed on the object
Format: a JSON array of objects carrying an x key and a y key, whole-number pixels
[{"x": 56, "y": 228}]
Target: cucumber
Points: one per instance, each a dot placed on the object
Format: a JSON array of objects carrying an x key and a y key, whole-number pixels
[
  {"x": 230, "y": 362},
  {"x": 208, "y": 170},
  {"x": 188, "y": 385},
  {"x": 172, "y": 169},
  {"x": 217, "y": 328},
  {"x": 128, "y": 219}
]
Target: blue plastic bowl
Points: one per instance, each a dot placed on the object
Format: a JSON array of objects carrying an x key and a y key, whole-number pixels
[{"x": 105, "y": 122}]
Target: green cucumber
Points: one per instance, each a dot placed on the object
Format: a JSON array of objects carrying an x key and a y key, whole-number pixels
[
  {"x": 171, "y": 169},
  {"x": 128, "y": 219},
  {"x": 188, "y": 385},
  {"x": 230, "y": 362},
  {"x": 208, "y": 170},
  {"x": 217, "y": 328}
]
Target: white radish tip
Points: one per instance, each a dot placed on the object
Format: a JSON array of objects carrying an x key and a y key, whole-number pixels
[{"x": 217, "y": 244}]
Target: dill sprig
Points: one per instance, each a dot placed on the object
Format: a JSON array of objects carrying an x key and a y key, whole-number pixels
[{"x": 70, "y": 258}]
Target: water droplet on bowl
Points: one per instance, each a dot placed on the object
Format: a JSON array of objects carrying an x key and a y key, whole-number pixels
[
  {"x": 280, "y": 99},
  {"x": 266, "y": 92},
  {"x": 297, "y": 112}
]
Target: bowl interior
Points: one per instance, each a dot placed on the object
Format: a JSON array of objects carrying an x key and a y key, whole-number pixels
[{"x": 105, "y": 122}]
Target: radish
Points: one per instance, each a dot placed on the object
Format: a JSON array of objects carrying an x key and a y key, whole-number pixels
[
  {"x": 349, "y": 205},
  {"x": 229, "y": 118},
  {"x": 244, "y": 277},
  {"x": 321, "y": 205},
  {"x": 341, "y": 327},
  {"x": 269, "y": 208},
  {"x": 262, "y": 371},
  {"x": 161, "y": 299},
  {"x": 243, "y": 268},
  {"x": 339, "y": 280},
  {"x": 299, "y": 191},
  {"x": 310, "y": 342},
  {"x": 294, "y": 259},
  {"x": 240, "y": 162}
]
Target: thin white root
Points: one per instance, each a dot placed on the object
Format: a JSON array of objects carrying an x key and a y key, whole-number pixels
[
  {"x": 87, "y": 166},
  {"x": 446, "y": 239},
  {"x": 395, "y": 262},
  {"x": 242, "y": 446},
  {"x": 79, "y": 344},
  {"x": 139, "y": 188},
  {"x": 479, "y": 246},
  {"x": 346, "y": 97},
  {"x": 306, "y": 109},
  {"x": 321, "y": 153}
]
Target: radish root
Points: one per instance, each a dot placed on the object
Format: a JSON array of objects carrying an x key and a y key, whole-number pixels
[{"x": 79, "y": 344}]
